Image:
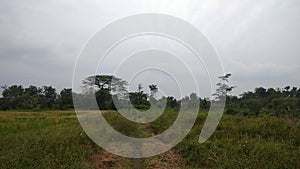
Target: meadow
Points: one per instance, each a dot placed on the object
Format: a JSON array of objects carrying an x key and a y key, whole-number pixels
[{"x": 55, "y": 139}]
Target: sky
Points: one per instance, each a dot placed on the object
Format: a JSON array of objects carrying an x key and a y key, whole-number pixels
[{"x": 257, "y": 41}]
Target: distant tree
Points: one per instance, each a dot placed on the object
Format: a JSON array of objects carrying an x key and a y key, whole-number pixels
[
  {"x": 108, "y": 82},
  {"x": 293, "y": 92},
  {"x": 261, "y": 92},
  {"x": 204, "y": 103},
  {"x": 105, "y": 86},
  {"x": 12, "y": 97},
  {"x": 272, "y": 93},
  {"x": 172, "y": 102},
  {"x": 32, "y": 90},
  {"x": 32, "y": 98},
  {"x": 223, "y": 87},
  {"x": 248, "y": 95},
  {"x": 140, "y": 87},
  {"x": 3, "y": 105},
  {"x": 104, "y": 99},
  {"x": 194, "y": 100},
  {"x": 139, "y": 99},
  {"x": 252, "y": 107},
  {"x": 286, "y": 90},
  {"x": 50, "y": 96},
  {"x": 285, "y": 106},
  {"x": 298, "y": 93},
  {"x": 153, "y": 90},
  {"x": 65, "y": 100}
]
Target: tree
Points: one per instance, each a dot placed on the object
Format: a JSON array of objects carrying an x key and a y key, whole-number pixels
[
  {"x": 172, "y": 102},
  {"x": 223, "y": 87},
  {"x": 194, "y": 100},
  {"x": 100, "y": 81},
  {"x": 32, "y": 98},
  {"x": 105, "y": 87},
  {"x": 140, "y": 87},
  {"x": 204, "y": 103},
  {"x": 50, "y": 96},
  {"x": 139, "y": 99},
  {"x": 104, "y": 99},
  {"x": 251, "y": 107},
  {"x": 153, "y": 90},
  {"x": 286, "y": 90},
  {"x": 109, "y": 82},
  {"x": 293, "y": 92},
  {"x": 65, "y": 100},
  {"x": 13, "y": 96},
  {"x": 261, "y": 92},
  {"x": 272, "y": 93}
]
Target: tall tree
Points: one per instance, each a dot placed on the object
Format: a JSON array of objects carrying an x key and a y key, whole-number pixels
[
  {"x": 105, "y": 86},
  {"x": 223, "y": 87},
  {"x": 109, "y": 82},
  {"x": 140, "y": 87},
  {"x": 153, "y": 90}
]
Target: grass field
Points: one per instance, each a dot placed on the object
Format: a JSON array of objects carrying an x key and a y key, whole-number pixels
[{"x": 55, "y": 139}]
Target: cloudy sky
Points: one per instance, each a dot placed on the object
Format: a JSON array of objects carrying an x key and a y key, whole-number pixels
[{"x": 257, "y": 41}]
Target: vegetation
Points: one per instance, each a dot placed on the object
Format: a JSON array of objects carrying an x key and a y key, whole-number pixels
[
  {"x": 263, "y": 101},
  {"x": 54, "y": 139},
  {"x": 260, "y": 129},
  {"x": 275, "y": 102},
  {"x": 16, "y": 97},
  {"x": 244, "y": 142},
  {"x": 42, "y": 140}
]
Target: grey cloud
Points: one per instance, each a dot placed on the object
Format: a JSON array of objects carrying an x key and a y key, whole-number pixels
[{"x": 258, "y": 42}]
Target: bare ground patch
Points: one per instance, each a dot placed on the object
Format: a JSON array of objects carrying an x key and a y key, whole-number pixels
[{"x": 106, "y": 160}]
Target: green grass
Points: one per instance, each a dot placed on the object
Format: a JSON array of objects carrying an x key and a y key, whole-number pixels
[
  {"x": 55, "y": 139},
  {"x": 42, "y": 140},
  {"x": 239, "y": 142}
]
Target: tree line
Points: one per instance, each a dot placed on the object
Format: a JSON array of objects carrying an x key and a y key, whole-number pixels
[
  {"x": 16, "y": 97},
  {"x": 278, "y": 102},
  {"x": 285, "y": 101}
]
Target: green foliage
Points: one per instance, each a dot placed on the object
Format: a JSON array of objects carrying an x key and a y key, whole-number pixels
[
  {"x": 108, "y": 82},
  {"x": 104, "y": 99},
  {"x": 276, "y": 102},
  {"x": 139, "y": 100},
  {"x": 49, "y": 97},
  {"x": 43, "y": 140},
  {"x": 35, "y": 98},
  {"x": 223, "y": 87},
  {"x": 172, "y": 103},
  {"x": 266, "y": 101},
  {"x": 240, "y": 142},
  {"x": 65, "y": 100}
]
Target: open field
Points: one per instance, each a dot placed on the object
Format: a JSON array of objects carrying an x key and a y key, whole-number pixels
[{"x": 55, "y": 139}]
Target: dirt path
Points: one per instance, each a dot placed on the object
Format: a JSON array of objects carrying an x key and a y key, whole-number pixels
[
  {"x": 167, "y": 160},
  {"x": 106, "y": 160}
]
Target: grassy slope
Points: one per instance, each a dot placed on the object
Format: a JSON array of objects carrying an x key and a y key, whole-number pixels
[{"x": 54, "y": 139}]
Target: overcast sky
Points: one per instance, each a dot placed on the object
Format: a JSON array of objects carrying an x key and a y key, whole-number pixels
[{"x": 257, "y": 41}]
